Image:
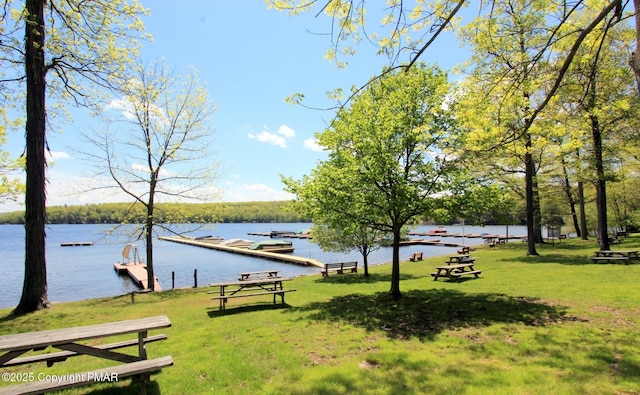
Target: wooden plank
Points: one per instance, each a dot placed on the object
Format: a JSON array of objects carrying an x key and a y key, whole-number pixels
[
  {"x": 62, "y": 355},
  {"x": 79, "y": 379},
  {"x": 42, "y": 339}
]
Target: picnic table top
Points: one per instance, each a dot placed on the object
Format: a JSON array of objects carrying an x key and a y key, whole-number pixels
[{"x": 31, "y": 340}]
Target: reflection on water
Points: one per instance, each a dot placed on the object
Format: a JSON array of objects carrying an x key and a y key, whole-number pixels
[{"x": 76, "y": 273}]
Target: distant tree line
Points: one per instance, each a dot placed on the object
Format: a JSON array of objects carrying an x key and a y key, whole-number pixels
[{"x": 116, "y": 213}]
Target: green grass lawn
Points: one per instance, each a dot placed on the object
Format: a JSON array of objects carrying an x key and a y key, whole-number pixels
[{"x": 548, "y": 324}]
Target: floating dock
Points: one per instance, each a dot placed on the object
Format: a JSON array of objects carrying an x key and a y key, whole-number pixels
[
  {"x": 76, "y": 244},
  {"x": 274, "y": 256},
  {"x": 138, "y": 273}
]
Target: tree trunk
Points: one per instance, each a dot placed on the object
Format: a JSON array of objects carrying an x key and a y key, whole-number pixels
[
  {"x": 635, "y": 56},
  {"x": 601, "y": 188},
  {"x": 395, "y": 267},
  {"x": 529, "y": 171},
  {"x": 148, "y": 230},
  {"x": 34, "y": 290},
  {"x": 583, "y": 215},
  {"x": 569, "y": 194},
  {"x": 537, "y": 212}
]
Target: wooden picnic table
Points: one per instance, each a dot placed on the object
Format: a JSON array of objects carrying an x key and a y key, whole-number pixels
[
  {"x": 259, "y": 274},
  {"x": 616, "y": 255},
  {"x": 250, "y": 287},
  {"x": 454, "y": 272},
  {"x": 461, "y": 258},
  {"x": 71, "y": 343}
]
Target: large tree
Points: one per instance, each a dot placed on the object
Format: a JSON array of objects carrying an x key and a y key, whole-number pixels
[
  {"x": 386, "y": 162},
  {"x": 161, "y": 150},
  {"x": 409, "y": 28},
  {"x": 68, "y": 47}
]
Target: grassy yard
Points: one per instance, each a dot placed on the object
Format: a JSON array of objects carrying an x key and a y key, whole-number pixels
[{"x": 554, "y": 323}]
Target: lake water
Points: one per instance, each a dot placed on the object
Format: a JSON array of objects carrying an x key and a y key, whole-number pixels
[{"x": 76, "y": 273}]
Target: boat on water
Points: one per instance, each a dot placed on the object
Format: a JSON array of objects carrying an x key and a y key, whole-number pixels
[
  {"x": 272, "y": 246},
  {"x": 437, "y": 231},
  {"x": 237, "y": 243}
]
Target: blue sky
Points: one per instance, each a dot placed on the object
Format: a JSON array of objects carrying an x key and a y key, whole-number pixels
[{"x": 251, "y": 59}]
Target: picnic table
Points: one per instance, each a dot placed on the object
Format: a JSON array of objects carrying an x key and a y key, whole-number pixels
[
  {"x": 259, "y": 274},
  {"x": 71, "y": 342},
  {"x": 461, "y": 258},
  {"x": 615, "y": 255},
  {"x": 250, "y": 287},
  {"x": 454, "y": 272}
]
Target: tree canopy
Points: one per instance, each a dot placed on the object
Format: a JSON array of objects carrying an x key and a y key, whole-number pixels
[{"x": 388, "y": 162}]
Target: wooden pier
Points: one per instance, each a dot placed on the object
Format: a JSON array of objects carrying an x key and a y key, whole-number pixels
[
  {"x": 274, "y": 256},
  {"x": 138, "y": 273},
  {"x": 76, "y": 244}
]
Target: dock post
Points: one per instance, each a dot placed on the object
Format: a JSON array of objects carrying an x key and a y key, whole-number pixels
[
  {"x": 173, "y": 279},
  {"x": 195, "y": 278}
]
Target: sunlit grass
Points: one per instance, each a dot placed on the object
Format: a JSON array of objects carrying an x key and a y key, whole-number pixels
[{"x": 554, "y": 323}]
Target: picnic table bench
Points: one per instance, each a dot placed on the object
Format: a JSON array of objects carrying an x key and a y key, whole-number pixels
[
  {"x": 454, "y": 272},
  {"x": 339, "y": 267},
  {"x": 14, "y": 346},
  {"x": 615, "y": 255},
  {"x": 258, "y": 274},
  {"x": 248, "y": 288},
  {"x": 416, "y": 256}
]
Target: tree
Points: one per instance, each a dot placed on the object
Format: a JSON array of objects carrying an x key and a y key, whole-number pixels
[
  {"x": 341, "y": 238},
  {"x": 73, "y": 46},
  {"x": 411, "y": 27},
  {"x": 163, "y": 151},
  {"x": 386, "y": 162}
]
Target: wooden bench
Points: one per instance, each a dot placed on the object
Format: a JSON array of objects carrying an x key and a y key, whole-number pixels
[
  {"x": 42, "y": 383},
  {"x": 14, "y": 346},
  {"x": 416, "y": 257},
  {"x": 608, "y": 259},
  {"x": 275, "y": 293},
  {"x": 339, "y": 267},
  {"x": 458, "y": 274}
]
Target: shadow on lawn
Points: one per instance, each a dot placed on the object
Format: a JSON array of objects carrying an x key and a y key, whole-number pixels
[
  {"x": 423, "y": 314},
  {"x": 563, "y": 259},
  {"x": 359, "y": 278}
]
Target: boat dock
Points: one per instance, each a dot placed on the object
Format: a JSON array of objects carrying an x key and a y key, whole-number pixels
[
  {"x": 274, "y": 256},
  {"x": 138, "y": 273},
  {"x": 76, "y": 244}
]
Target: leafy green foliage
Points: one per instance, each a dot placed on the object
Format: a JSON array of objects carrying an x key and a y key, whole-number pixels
[
  {"x": 116, "y": 213},
  {"x": 388, "y": 162}
]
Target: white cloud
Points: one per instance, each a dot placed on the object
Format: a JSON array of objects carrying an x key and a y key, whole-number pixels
[
  {"x": 287, "y": 132},
  {"x": 57, "y": 155},
  {"x": 269, "y": 138},
  {"x": 313, "y": 145},
  {"x": 279, "y": 139},
  {"x": 254, "y": 192}
]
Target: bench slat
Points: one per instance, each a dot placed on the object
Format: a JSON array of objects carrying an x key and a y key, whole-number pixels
[
  {"x": 33, "y": 340},
  {"x": 62, "y": 355},
  {"x": 458, "y": 274},
  {"x": 68, "y": 381},
  {"x": 241, "y": 295}
]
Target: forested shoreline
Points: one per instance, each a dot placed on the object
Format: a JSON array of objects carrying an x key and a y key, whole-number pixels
[{"x": 223, "y": 212}]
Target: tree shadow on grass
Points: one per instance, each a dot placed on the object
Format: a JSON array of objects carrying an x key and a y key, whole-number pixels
[
  {"x": 423, "y": 314},
  {"x": 213, "y": 312},
  {"x": 357, "y": 278},
  {"x": 562, "y": 259}
]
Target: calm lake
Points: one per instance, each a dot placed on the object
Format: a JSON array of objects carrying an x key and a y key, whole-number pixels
[{"x": 76, "y": 273}]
